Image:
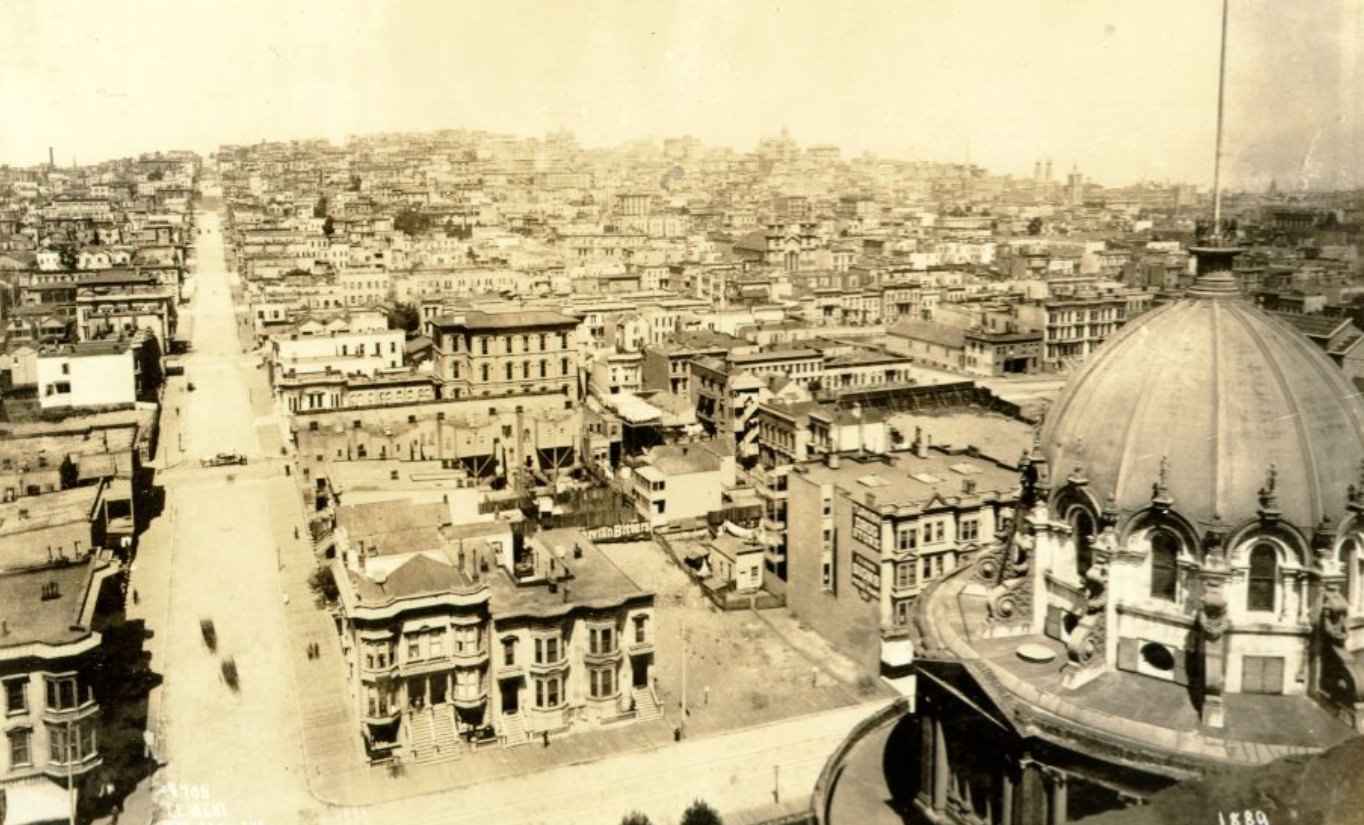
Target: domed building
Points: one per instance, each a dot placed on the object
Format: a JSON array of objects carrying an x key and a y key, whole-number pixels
[
  {"x": 1207, "y": 529},
  {"x": 1180, "y": 591}
]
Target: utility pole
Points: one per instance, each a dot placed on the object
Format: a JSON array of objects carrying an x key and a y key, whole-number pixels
[{"x": 682, "y": 726}]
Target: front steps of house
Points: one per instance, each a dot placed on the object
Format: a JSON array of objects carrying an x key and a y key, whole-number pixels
[
  {"x": 514, "y": 730},
  {"x": 432, "y": 735},
  {"x": 646, "y": 709}
]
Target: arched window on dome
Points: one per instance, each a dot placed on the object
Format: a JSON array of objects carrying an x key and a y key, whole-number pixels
[
  {"x": 1164, "y": 565},
  {"x": 1082, "y": 528},
  {"x": 1264, "y": 573}
]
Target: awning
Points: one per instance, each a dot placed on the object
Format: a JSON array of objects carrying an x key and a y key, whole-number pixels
[
  {"x": 634, "y": 410},
  {"x": 36, "y": 801}
]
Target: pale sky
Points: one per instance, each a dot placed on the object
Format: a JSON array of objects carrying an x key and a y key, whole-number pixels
[{"x": 1123, "y": 90}]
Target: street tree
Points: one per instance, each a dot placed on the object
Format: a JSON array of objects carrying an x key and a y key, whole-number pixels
[
  {"x": 411, "y": 221},
  {"x": 701, "y": 813},
  {"x": 636, "y": 818},
  {"x": 323, "y": 584},
  {"x": 405, "y": 317}
]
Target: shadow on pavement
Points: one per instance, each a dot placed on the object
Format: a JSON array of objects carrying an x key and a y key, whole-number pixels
[{"x": 122, "y": 679}]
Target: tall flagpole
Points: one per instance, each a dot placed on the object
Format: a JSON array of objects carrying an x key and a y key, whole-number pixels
[{"x": 1217, "y": 155}]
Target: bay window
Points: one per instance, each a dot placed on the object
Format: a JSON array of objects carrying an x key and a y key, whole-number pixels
[
  {"x": 603, "y": 682},
  {"x": 548, "y": 692}
]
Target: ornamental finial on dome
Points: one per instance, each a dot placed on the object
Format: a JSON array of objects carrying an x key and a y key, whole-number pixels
[
  {"x": 1355, "y": 492},
  {"x": 1323, "y": 545},
  {"x": 1269, "y": 498},
  {"x": 1160, "y": 491},
  {"x": 1324, "y": 538},
  {"x": 1214, "y": 539},
  {"x": 1109, "y": 516}
]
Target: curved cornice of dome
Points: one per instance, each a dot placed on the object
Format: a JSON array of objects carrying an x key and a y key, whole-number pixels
[
  {"x": 1241, "y": 537},
  {"x": 1150, "y": 517},
  {"x": 1216, "y": 386}
]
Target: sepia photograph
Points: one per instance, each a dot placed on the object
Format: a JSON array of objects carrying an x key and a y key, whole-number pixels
[{"x": 681, "y": 412}]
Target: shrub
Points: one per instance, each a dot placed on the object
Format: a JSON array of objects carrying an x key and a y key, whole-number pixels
[
  {"x": 700, "y": 813},
  {"x": 323, "y": 585}
]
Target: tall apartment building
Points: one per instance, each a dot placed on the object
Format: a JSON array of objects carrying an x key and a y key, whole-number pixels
[
  {"x": 482, "y": 354},
  {"x": 865, "y": 534}
]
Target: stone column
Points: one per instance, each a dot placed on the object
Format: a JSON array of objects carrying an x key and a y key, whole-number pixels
[
  {"x": 1056, "y": 803},
  {"x": 1006, "y": 801},
  {"x": 1213, "y": 626},
  {"x": 941, "y": 769}
]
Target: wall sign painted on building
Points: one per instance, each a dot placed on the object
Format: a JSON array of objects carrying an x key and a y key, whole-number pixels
[
  {"x": 866, "y": 528},
  {"x": 866, "y": 576},
  {"x": 619, "y": 532}
]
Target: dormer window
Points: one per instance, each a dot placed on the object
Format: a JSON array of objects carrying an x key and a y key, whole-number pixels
[
  {"x": 1164, "y": 565},
  {"x": 1082, "y": 528},
  {"x": 1264, "y": 571}
]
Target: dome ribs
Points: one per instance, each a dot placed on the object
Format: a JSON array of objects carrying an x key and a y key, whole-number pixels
[
  {"x": 1219, "y": 400},
  {"x": 1137, "y": 413},
  {"x": 1306, "y": 454}
]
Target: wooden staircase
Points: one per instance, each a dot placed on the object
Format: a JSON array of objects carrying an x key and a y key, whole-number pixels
[
  {"x": 514, "y": 730},
  {"x": 646, "y": 709},
  {"x": 432, "y": 736}
]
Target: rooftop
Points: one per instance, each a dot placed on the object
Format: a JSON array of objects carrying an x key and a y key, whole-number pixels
[
  {"x": 902, "y": 479},
  {"x": 993, "y": 436},
  {"x": 593, "y": 580},
  {"x": 394, "y": 527},
  {"x": 480, "y": 320},
  {"x": 940, "y": 334},
  {"x": 681, "y": 459},
  {"x": 24, "y": 522},
  {"x": 417, "y": 576},
  {"x": 30, "y": 618}
]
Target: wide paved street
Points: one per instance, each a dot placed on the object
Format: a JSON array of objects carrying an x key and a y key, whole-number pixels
[
  {"x": 212, "y": 555},
  {"x": 224, "y": 550}
]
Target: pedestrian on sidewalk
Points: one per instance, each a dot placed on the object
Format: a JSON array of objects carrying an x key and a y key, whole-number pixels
[
  {"x": 136, "y": 598},
  {"x": 546, "y": 735},
  {"x": 705, "y": 692}
]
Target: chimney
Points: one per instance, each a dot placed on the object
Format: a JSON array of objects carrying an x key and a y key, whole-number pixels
[
  {"x": 51, "y": 158},
  {"x": 921, "y": 445}
]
